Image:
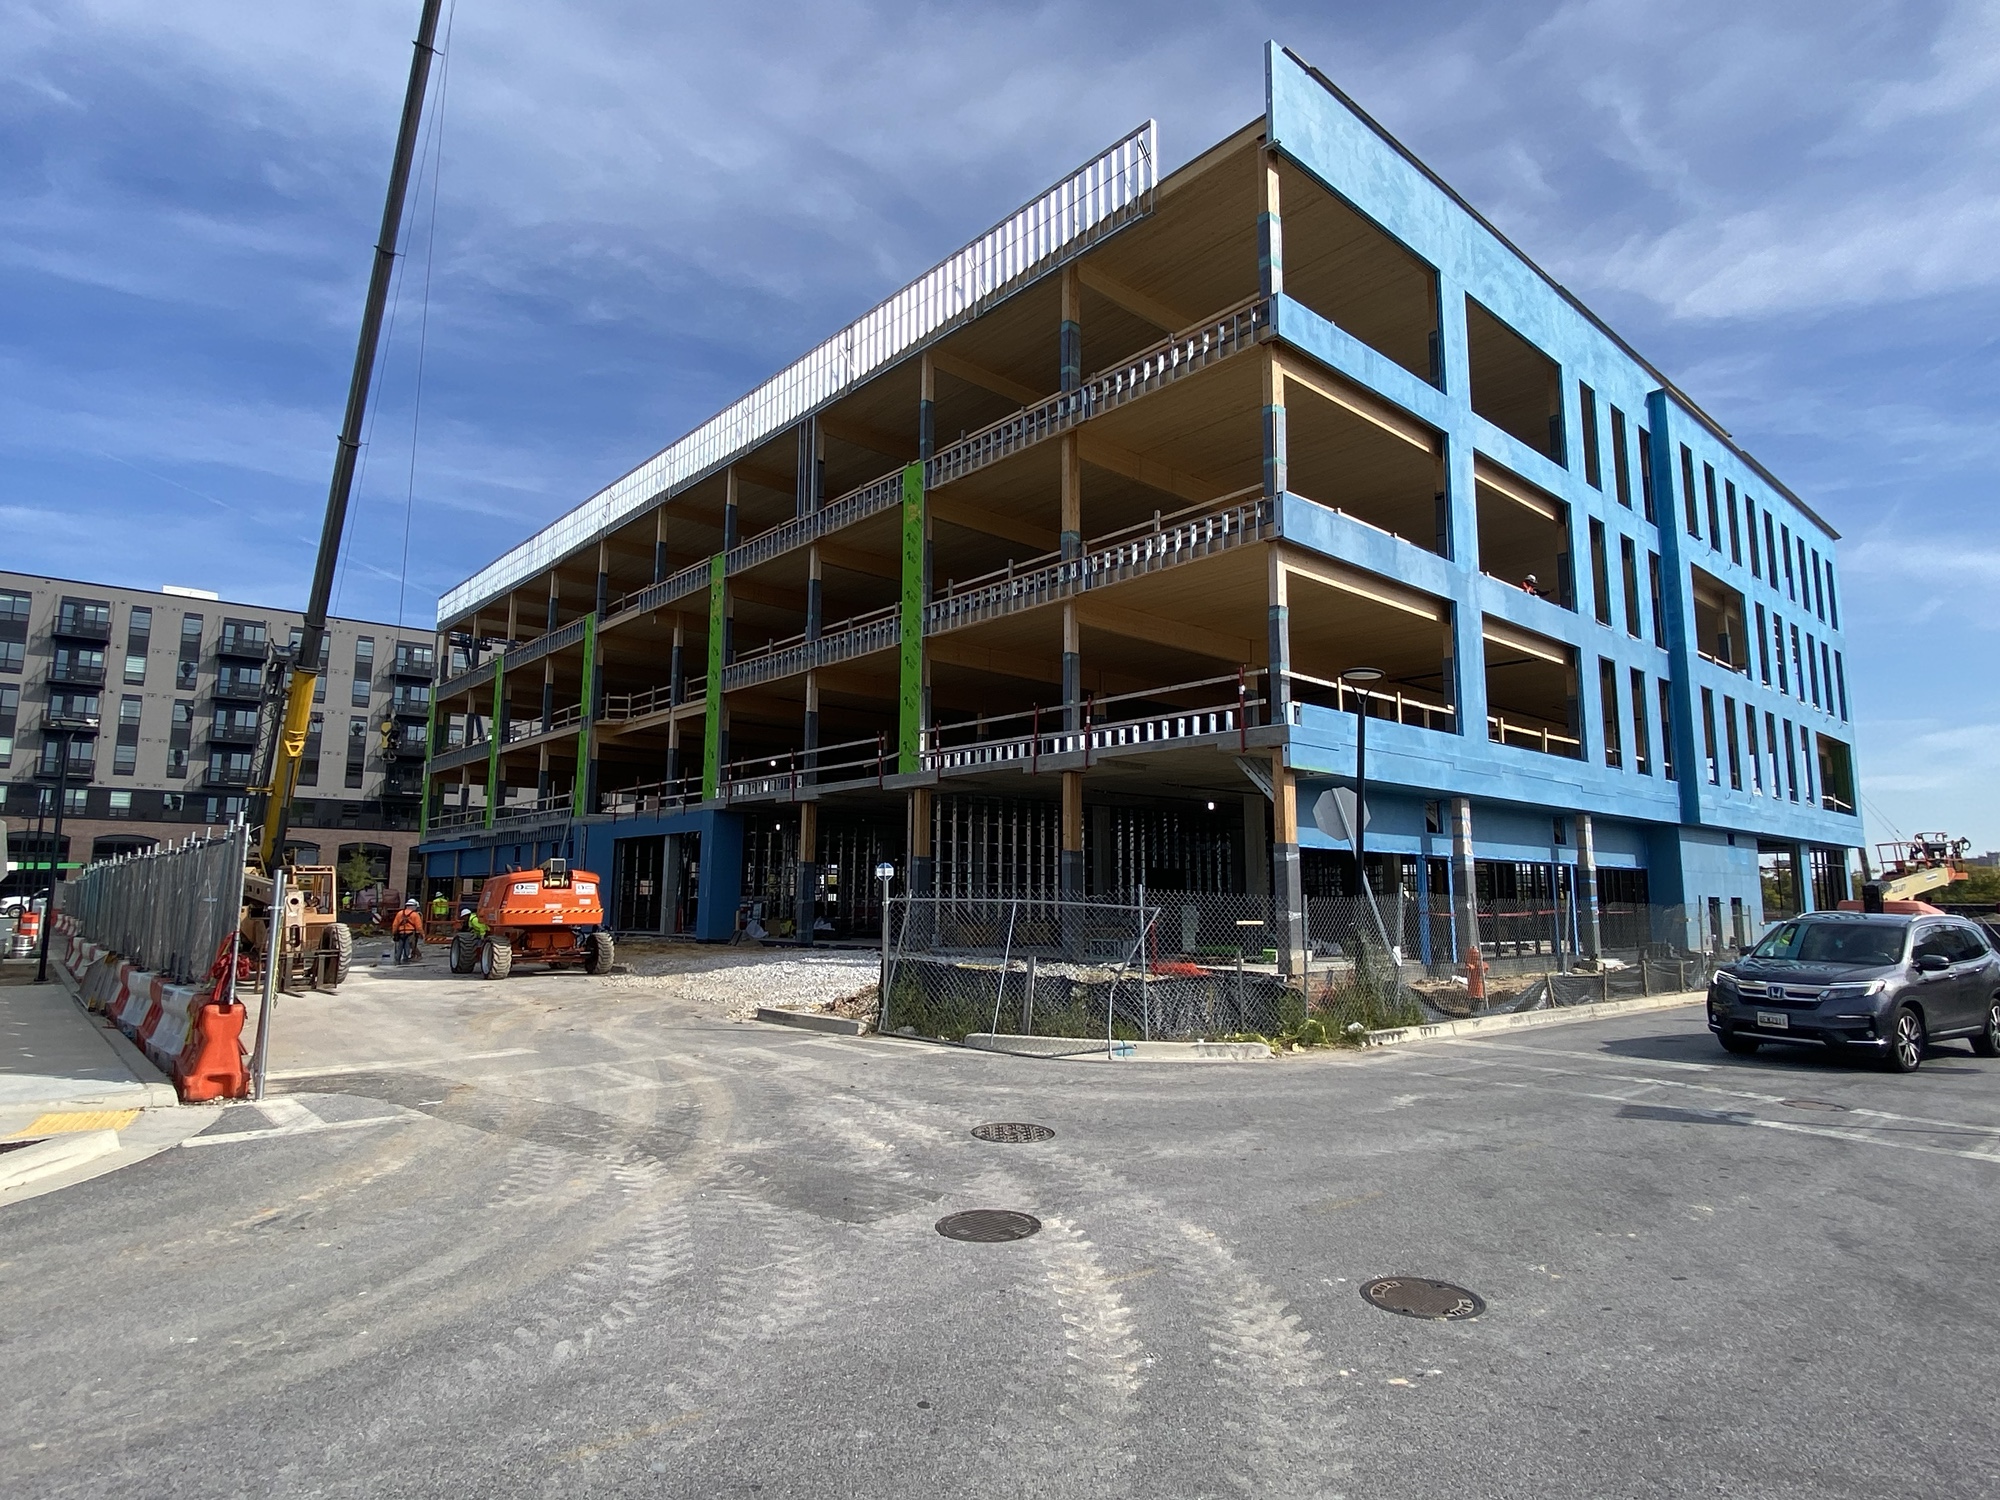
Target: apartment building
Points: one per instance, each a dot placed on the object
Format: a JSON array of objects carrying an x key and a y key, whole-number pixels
[
  {"x": 155, "y": 697},
  {"x": 1072, "y": 567}
]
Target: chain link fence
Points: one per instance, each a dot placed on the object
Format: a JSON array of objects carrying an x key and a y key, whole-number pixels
[
  {"x": 1180, "y": 966},
  {"x": 166, "y": 911}
]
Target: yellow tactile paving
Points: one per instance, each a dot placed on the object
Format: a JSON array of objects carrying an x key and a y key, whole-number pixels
[{"x": 87, "y": 1119}]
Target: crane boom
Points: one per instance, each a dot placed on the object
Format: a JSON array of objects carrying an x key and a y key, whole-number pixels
[{"x": 289, "y": 743}]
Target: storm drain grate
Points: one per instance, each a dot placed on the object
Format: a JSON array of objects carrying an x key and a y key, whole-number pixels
[
  {"x": 1418, "y": 1297},
  {"x": 1823, "y": 1104},
  {"x": 1013, "y": 1133},
  {"x": 988, "y": 1226}
]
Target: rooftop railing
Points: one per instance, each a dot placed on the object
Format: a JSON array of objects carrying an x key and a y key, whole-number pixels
[{"x": 1108, "y": 192}]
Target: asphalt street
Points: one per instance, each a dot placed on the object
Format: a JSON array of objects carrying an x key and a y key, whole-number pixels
[{"x": 555, "y": 1236}]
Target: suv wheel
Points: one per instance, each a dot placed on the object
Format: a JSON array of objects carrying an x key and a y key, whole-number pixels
[
  {"x": 1742, "y": 1046},
  {"x": 1906, "y": 1041},
  {"x": 1987, "y": 1042}
]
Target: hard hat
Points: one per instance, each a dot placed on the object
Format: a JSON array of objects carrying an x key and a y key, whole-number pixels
[
  {"x": 465, "y": 911},
  {"x": 411, "y": 902}
]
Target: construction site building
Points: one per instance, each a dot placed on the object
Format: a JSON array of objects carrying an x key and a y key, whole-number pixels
[{"x": 1045, "y": 577}]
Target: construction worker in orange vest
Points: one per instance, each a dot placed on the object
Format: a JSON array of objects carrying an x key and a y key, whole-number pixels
[{"x": 408, "y": 928}]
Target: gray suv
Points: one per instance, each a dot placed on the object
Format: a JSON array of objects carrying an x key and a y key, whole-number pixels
[{"x": 1889, "y": 984}]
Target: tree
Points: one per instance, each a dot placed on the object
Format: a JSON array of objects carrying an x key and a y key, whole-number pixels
[{"x": 356, "y": 875}]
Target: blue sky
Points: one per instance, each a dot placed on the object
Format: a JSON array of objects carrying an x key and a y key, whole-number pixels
[{"x": 644, "y": 209}]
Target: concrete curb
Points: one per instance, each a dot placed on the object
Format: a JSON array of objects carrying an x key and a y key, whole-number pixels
[
  {"x": 56, "y": 1154},
  {"x": 1078, "y": 1049},
  {"x": 809, "y": 1020},
  {"x": 1513, "y": 1020}
]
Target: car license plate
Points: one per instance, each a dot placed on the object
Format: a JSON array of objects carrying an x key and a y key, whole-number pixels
[{"x": 1775, "y": 1020}]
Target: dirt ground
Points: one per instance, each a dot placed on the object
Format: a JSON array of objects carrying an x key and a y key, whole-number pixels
[{"x": 734, "y": 981}]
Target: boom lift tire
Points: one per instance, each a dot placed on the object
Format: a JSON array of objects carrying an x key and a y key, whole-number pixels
[
  {"x": 603, "y": 953},
  {"x": 464, "y": 953},
  {"x": 497, "y": 960}
]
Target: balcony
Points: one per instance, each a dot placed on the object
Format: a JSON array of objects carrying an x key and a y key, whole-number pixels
[
  {"x": 411, "y": 703},
  {"x": 56, "y": 721},
  {"x": 239, "y": 686},
  {"x": 403, "y": 782},
  {"x": 81, "y": 768},
  {"x": 76, "y": 673},
  {"x": 232, "y": 734},
  {"x": 250, "y": 644},
  {"x": 414, "y": 662},
  {"x": 87, "y": 624},
  {"x": 237, "y": 777}
]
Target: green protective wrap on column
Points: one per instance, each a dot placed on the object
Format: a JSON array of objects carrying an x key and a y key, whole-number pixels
[
  {"x": 493, "y": 728},
  {"x": 711, "y": 773},
  {"x": 430, "y": 749},
  {"x": 580, "y": 788},
  {"x": 910, "y": 720}
]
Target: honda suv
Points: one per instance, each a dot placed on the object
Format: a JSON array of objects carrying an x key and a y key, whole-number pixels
[{"x": 1889, "y": 984}]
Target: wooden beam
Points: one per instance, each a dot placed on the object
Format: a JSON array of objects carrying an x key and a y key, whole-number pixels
[
  {"x": 1363, "y": 404},
  {"x": 1104, "y": 454},
  {"x": 953, "y": 651},
  {"x": 1156, "y": 630},
  {"x": 1370, "y": 586},
  {"x": 1008, "y": 528},
  {"x": 1515, "y": 488},
  {"x": 985, "y": 379},
  {"x": 1161, "y": 315},
  {"x": 856, "y": 561},
  {"x": 765, "y": 479},
  {"x": 792, "y": 599},
  {"x": 874, "y": 439},
  {"x": 1505, "y": 633}
]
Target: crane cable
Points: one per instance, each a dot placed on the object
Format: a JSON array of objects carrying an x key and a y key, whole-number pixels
[{"x": 424, "y": 162}]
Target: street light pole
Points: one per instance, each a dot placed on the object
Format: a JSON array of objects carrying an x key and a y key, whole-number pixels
[
  {"x": 1358, "y": 678},
  {"x": 55, "y": 856}
]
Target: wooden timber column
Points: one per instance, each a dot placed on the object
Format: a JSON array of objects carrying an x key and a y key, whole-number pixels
[
  {"x": 659, "y": 543},
  {"x": 913, "y": 677},
  {"x": 548, "y": 712},
  {"x": 1464, "y": 880},
  {"x": 1288, "y": 901},
  {"x": 1071, "y": 873},
  {"x": 676, "y": 690},
  {"x": 603, "y": 577},
  {"x": 1277, "y": 686},
  {"x": 1586, "y": 886},
  {"x": 808, "y": 868}
]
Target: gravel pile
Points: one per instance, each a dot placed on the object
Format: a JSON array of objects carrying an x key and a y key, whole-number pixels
[{"x": 734, "y": 981}]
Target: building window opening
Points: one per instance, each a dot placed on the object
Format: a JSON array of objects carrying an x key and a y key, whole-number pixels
[
  {"x": 1642, "y": 749},
  {"x": 1593, "y": 471},
  {"x": 1524, "y": 535},
  {"x": 1719, "y": 634},
  {"x": 1621, "y": 463},
  {"x": 1607, "y": 691},
  {"x": 1836, "y": 774},
  {"x": 1349, "y": 270},
  {"x": 1515, "y": 386},
  {"x": 1531, "y": 690},
  {"x": 1730, "y": 741},
  {"x": 1394, "y": 480}
]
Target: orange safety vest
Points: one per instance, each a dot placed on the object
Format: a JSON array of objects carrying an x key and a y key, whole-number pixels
[{"x": 406, "y": 920}]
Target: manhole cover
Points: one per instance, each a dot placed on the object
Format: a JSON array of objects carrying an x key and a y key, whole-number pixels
[
  {"x": 1416, "y": 1297},
  {"x": 988, "y": 1226},
  {"x": 1824, "y": 1104},
  {"x": 1013, "y": 1133}
]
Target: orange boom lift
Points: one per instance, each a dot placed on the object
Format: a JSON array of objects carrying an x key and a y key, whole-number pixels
[{"x": 550, "y": 916}]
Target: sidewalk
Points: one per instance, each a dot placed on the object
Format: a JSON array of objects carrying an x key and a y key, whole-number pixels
[{"x": 56, "y": 1056}]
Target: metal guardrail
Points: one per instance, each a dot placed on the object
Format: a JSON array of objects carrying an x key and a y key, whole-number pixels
[
  {"x": 1110, "y": 191},
  {"x": 1170, "y": 360},
  {"x": 1202, "y": 531},
  {"x": 1537, "y": 737},
  {"x": 676, "y": 586}
]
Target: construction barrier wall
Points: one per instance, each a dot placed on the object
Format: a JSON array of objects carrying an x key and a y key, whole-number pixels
[{"x": 150, "y": 941}]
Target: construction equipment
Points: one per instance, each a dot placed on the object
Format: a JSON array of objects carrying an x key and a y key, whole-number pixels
[
  {"x": 324, "y": 944},
  {"x": 318, "y": 947},
  {"x": 1910, "y": 870},
  {"x": 551, "y": 915}
]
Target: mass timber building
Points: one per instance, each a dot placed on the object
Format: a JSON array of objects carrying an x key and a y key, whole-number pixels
[{"x": 1044, "y": 576}]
